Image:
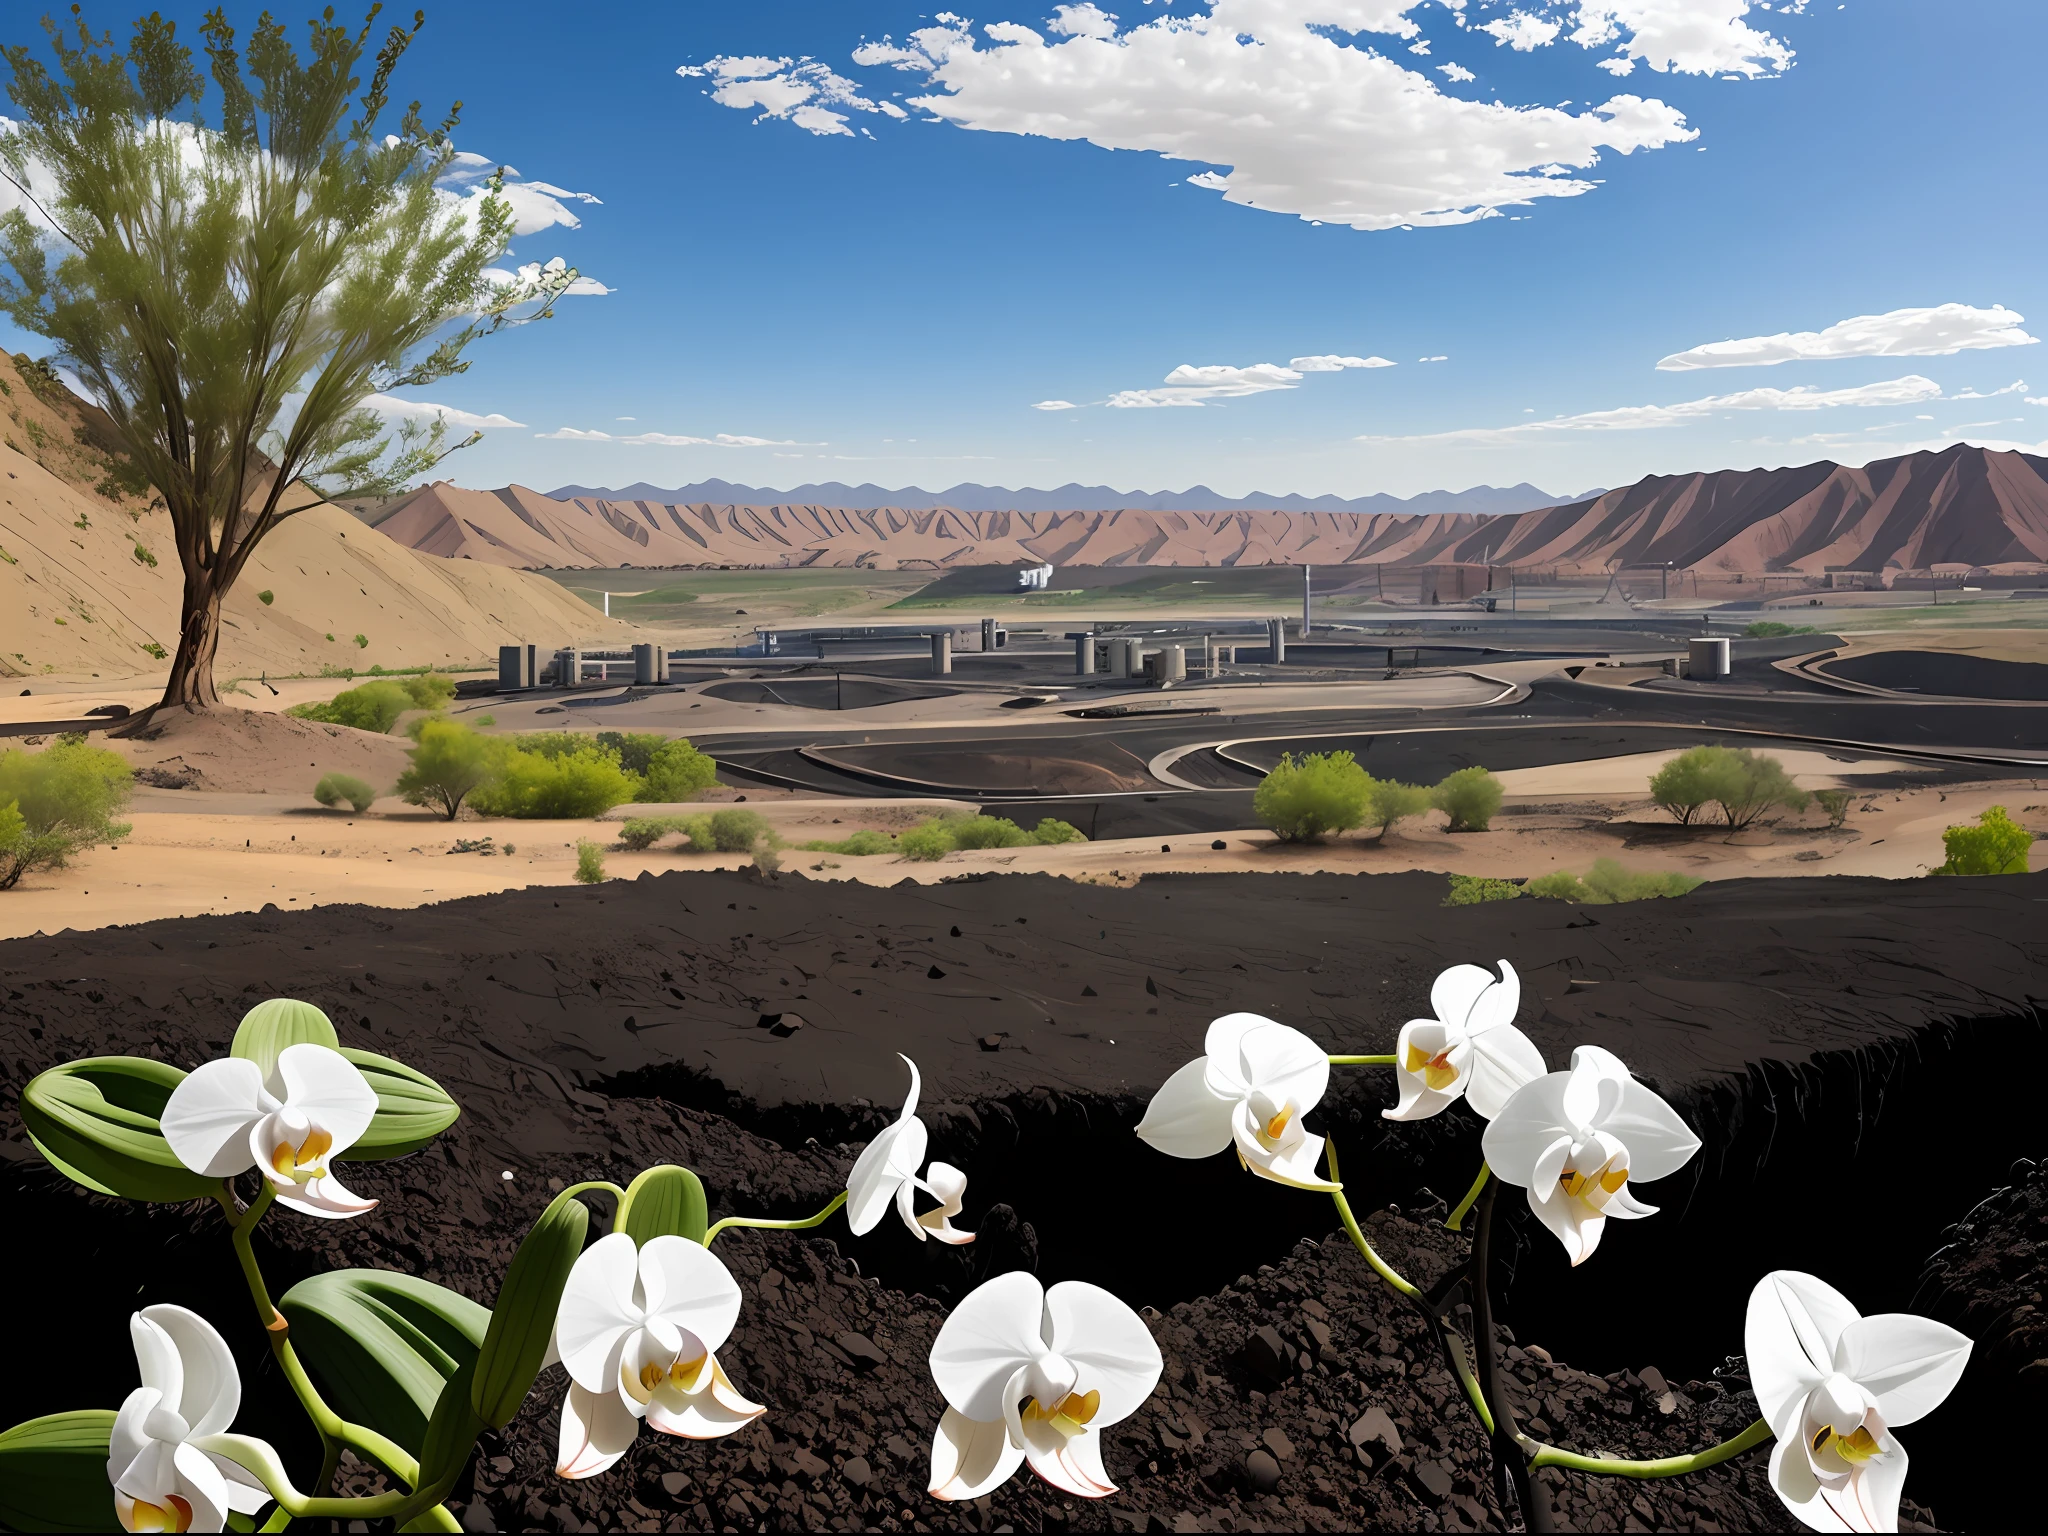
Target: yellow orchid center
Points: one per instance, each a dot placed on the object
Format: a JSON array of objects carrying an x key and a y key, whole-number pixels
[
  {"x": 307, "y": 1158},
  {"x": 1856, "y": 1447},
  {"x": 683, "y": 1372},
  {"x": 154, "y": 1517},
  {"x": 650, "y": 1376},
  {"x": 1277, "y": 1126},
  {"x": 1436, "y": 1070},
  {"x": 1073, "y": 1414},
  {"x": 1594, "y": 1187}
]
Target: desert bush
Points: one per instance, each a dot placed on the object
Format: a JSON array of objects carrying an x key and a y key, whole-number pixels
[
  {"x": 635, "y": 749},
  {"x": 864, "y": 843},
  {"x": 552, "y": 744},
  {"x": 1995, "y": 846},
  {"x": 429, "y": 690},
  {"x": 568, "y": 786},
  {"x": 57, "y": 801},
  {"x": 739, "y": 831},
  {"x": 643, "y": 832},
  {"x": 590, "y": 862},
  {"x": 1390, "y": 803},
  {"x": 927, "y": 841},
  {"x": 1470, "y": 890},
  {"x": 1684, "y": 786},
  {"x": 941, "y": 835},
  {"x": 1609, "y": 882},
  {"x": 1836, "y": 803},
  {"x": 362, "y": 642},
  {"x": 1051, "y": 832},
  {"x": 676, "y": 771},
  {"x": 337, "y": 787},
  {"x": 987, "y": 832},
  {"x": 1470, "y": 798},
  {"x": 372, "y": 707},
  {"x": 450, "y": 763},
  {"x": 1307, "y": 800},
  {"x": 266, "y": 597},
  {"x": 1770, "y": 629},
  {"x": 1743, "y": 784}
]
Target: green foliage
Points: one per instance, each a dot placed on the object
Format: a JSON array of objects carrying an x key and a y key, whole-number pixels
[
  {"x": 383, "y": 1344},
  {"x": 1770, "y": 629},
  {"x": 373, "y": 707},
  {"x": 1305, "y": 801},
  {"x": 926, "y": 841},
  {"x": 862, "y": 844},
  {"x": 1470, "y": 890},
  {"x": 523, "y": 1319},
  {"x": 574, "y": 784},
  {"x": 450, "y": 762},
  {"x": 1836, "y": 803},
  {"x": 362, "y": 642},
  {"x": 987, "y": 832},
  {"x": 412, "y": 1109},
  {"x": 277, "y": 1024},
  {"x": 1997, "y": 845},
  {"x": 266, "y": 597},
  {"x": 643, "y": 832},
  {"x": 1470, "y": 797},
  {"x": 1390, "y": 803},
  {"x": 941, "y": 835},
  {"x": 53, "y": 1473},
  {"x": 677, "y": 771},
  {"x": 739, "y": 831},
  {"x": 95, "y": 1120},
  {"x": 1685, "y": 785},
  {"x": 1609, "y": 882},
  {"x": 1741, "y": 783},
  {"x": 154, "y": 650},
  {"x": 334, "y": 788},
  {"x": 65, "y": 798},
  {"x": 590, "y": 862},
  {"x": 1051, "y": 832},
  {"x": 664, "y": 1201},
  {"x": 634, "y": 749},
  {"x": 144, "y": 557},
  {"x": 429, "y": 690}
]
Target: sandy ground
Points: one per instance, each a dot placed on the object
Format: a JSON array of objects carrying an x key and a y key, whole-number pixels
[{"x": 194, "y": 853}]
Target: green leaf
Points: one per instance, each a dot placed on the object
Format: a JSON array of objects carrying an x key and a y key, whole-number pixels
[
  {"x": 451, "y": 1433},
  {"x": 384, "y": 1344},
  {"x": 270, "y": 1026},
  {"x": 412, "y": 1109},
  {"x": 53, "y": 1473},
  {"x": 524, "y": 1319},
  {"x": 665, "y": 1200},
  {"x": 96, "y": 1121}
]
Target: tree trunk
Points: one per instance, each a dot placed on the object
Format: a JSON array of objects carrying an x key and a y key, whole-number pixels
[{"x": 190, "y": 685}]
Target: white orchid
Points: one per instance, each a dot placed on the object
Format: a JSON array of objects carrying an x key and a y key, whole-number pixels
[
  {"x": 886, "y": 1171},
  {"x": 1833, "y": 1385},
  {"x": 1252, "y": 1085},
  {"x": 638, "y": 1331},
  {"x": 313, "y": 1105},
  {"x": 165, "y": 1476},
  {"x": 1576, "y": 1140},
  {"x": 1470, "y": 1050},
  {"x": 1035, "y": 1375}
]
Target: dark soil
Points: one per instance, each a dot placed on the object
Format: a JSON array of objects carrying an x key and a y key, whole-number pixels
[
  {"x": 824, "y": 692},
  {"x": 1950, "y": 673}
]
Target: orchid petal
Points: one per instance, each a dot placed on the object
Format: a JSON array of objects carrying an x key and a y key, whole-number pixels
[
  {"x": 209, "y": 1115},
  {"x": 127, "y": 1439},
  {"x": 1659, "y": 1143},
  {"x": 1503, "y": 1061},
  {"x": 200, "y": 1481},
  {"x": 1569, "y": 1222},
  {"x": 694, "y": 1289},
  {"x": 1072, "y": 1464},
  {"x": 1794, "y": 1483},
  {"x": 328, "y": 1089},
  {"x": 1187, "y": 1117},
  {"x": 1870, "y": 1501},
  {"x": 326, "y": 1197},
  {"x": 1582, "y": 1101},
  {"x": 1109, "y": 1342},
  {"x": 1498, "y": 1004},
  {"x": 211, "y": 1391},
  {"x": 709, "y": 1411},
  {"x": 598, "y": 1311},
  {"x": 1294, "y": 1164},
  {"x": 1527, "y": 1127},
  {"x": 916, "y": 1087},
  {"x": 596, "y": 1431},
  {"x": 1455, "y": 991},
  {"x": 1286, "y": 1064},
  {"x": 892, "y": 1157},
  {"x": 1220, "y": 1050},
  {"x": 1550, "y": 1165},
  {"x": 992, "y": 1334},
  {"x": 1788, "y": 1337},
  {"x": 156, "y": 1357},
  {"x": 247, "y": 1492},
  {"x": 971, "y": 1457},
  {"x": 1418, "y": 1101},
  {"x": 1908, "y": 1364}
]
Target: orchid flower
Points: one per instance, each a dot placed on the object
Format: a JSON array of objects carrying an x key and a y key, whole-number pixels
[
  {"x": 228, "y": 1117},
  {"x": 1470, "y": 1050},
  {"x": 1576, "y": 1139},
  {"x": 1035, "y": 1375},
  {"x": 638, "y": 1332},
  {"x": 1252, "y": 1085},
  {"x": 1833, "y": 1384},
  {"x": 165, "y": 1476},
  {"x": 886, "y": 1170}
]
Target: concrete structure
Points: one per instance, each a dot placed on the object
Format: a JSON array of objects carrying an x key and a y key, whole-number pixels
[
  {"x": 1084, "y": 655},
  {"x": 942, "y": 654},
  {"x": 568, "y": 667},
  {"x": 1307, "y": 590},
  {"x": 1708, "y": 659},
  {"x": 650, "y": 663},
  {"x": 1276, "y": 640},
  {"x": 518, "y": 666},
  {"x": 1168, "y": 664}
]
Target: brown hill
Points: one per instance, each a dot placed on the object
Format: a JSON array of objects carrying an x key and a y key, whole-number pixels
[
  {"x": 89, "y": 577},
  {"x": 1963, "y": 506}
]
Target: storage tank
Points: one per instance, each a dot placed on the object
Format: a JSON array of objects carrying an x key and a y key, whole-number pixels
[{"x": 1707, "y": 659}]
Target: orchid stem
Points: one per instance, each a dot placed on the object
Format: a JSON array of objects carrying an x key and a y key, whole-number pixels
[
  {"x": 1362, "y": 1061},
  {"x": 1668, "y": 1466},
  {"x": 1456, "y": 1220},
  {"x": 604, "y": 1184},
  {"x": 1508, "y": 1442},
  {"x": 776, "y": 1226},
  {"x": 1455, "y": 1348},
  {"x": 1380, "y": 1266}
]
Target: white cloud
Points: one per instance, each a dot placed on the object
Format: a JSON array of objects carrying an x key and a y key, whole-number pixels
[
  {"x": 1522, "y": 32},
  {"x": 529, "y": 272},
  {"x": 1305, "y": 124},
  {"x": 536, "y": 205},
  {"x": 799, "y": 91},
  {"x": 1688, "y": 37},
  {"x": 1941, "y": 331},
  {"x": 1192, "y": 385},
  {"x": 1082, "y": 21},
  {"x": 2037, "y": 399},
  {"x": 1991, "y": 394},
  {"x": 666, "y": 440},
  {"x": 1439, "y": 358},
  {"x": 1456, "y": 72},
  {"x": 391, "y": 405},
  {"x": 1330, "y": 362},
  {"x": 1635, "y": 418},
  {"x": 1054, "y": 405}
]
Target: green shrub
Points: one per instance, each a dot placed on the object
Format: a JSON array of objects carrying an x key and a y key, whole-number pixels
[
  {"x": 1685, "y": 785},
  {"x": 372, "y": 707},
  {"x": 1391, "y": 803},
  {"x": 1051, "y": 832},
  {"x": 677, "y": 771},
  {"x": 1836, "y": 803},
  {"x": 565, "y": 787},
  {"x": 558, "y": 743},
  {"x": 266, "y": 597},
  {"x": 862, "y": 844},
  {"x": 429, "y": 690},
  {"x": 739, "y": 831},
  {"x": 450, "y": 763},
  {"x": 1558, "y": 885},
  {"x": 590, "y": 862},
  {"x": 57, "y": 801},
  {"x": 144, "y": 557},
  {"x": 1770, "y": 629},
  {"x": 1470, "y": 798},
  {"x": 362, "y": 642},
  {"x": 337, "y": 787},
  {"x": 926, "y": 841},
  {"x": 1995, "y": 846},
  {"x": 1305, "y": 801},
  {"x": 643, "y": 832},
  {"x": 635, "y": 749},
  {"x": 986, "y": 832},
  {"x": 1743, "y": 784},
  {"x": 1609, "y": 882},
  {"x": 1470, "y": 890}
]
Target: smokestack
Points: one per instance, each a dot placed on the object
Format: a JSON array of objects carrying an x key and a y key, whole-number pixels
[{"x": 1307, "y": 588}]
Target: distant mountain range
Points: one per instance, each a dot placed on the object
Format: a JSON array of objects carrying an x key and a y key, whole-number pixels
[
  {"x": 1486, "y": 500},
  {"x": 1964, "y": 506}
]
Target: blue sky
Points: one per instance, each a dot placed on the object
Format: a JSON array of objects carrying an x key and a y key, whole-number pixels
[{"x": 876, "y": 290}]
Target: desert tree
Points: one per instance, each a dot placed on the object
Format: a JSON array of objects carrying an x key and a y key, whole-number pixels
[{"x": 232, "y": 288}]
